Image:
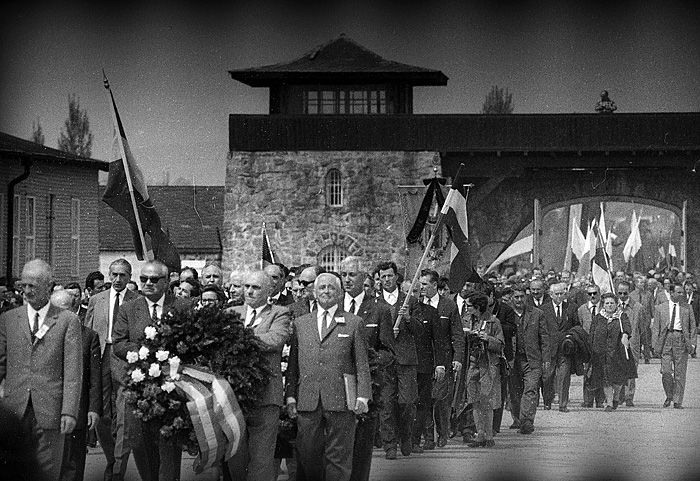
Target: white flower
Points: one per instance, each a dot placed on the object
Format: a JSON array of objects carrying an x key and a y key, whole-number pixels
[
  {"x": 168, "y": 386},
  {"x": 162, "y": 355},
  {"x": 174, "y": 361},
  {"x": 150, "y": 332},
  {"x": 286, "y": 349},
  {"x": 132, "y": 356},
  {"x": 143, "y": 352},
  {"x": 137, "y": 375},
  {"x": 154, "y": 370},
  {"x": 175, "y": 376}
]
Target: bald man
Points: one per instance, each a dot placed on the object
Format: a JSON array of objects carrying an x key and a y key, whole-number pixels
[
  {"x": 254, "y": 460},
  {"x": 41, "y": 363}
]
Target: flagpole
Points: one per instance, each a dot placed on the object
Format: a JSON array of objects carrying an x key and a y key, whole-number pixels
[
  {"x": 262, "y": 262},
  {"x": 438, "y": 224},
  {"x": 127, "y": 173}
]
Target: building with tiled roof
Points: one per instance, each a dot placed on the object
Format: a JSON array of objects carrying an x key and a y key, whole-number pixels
[
  {"x": 48, "y": 209},
  {"x": 192, "y": 216}
]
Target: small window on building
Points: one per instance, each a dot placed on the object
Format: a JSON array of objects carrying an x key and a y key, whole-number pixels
[
  {"x": 311, "y": 102},
  {"x": 30, "y": 233},
  {"x": 329, "y": 102},
  {"x": 75, "y": 237},
  {"x": 331, "y": 256},
  {"x": 334, "y": 188}
]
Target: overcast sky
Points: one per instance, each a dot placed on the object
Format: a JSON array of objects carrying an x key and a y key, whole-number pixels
[{"x": 168, "y": 66}]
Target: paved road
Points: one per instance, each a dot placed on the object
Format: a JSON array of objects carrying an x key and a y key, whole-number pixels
[{"x": 642, "y": 443}]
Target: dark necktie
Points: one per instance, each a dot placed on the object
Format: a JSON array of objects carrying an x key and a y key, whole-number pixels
[
  {"x": 464, "y": 308},
  {"x": 592, "y": 311},
  {"x": 252, "y": 319},
  {"x": 154, "y": 316},
  {"x": 558, "y": 312},
  {"x": 324, "y": 324},
  {"x": 115, "y": 311},
  {"x": 312, "y": 306},
  {"x": 352, "y": 306},
  {"x": 673, "y": 318},
  {"x": 35, "y": 324}
]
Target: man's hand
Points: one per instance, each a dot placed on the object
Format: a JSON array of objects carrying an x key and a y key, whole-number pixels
[
  {"x": 93, "y": 417},
  {"x": 439, "y": 373},
  {"x": 292, "y": 410},
  {"x": 67, "y": 424},
  {"x": 361, "y": 406},
  {"x": 403, "y": 311},
  {"x": 456, "y": 366}
]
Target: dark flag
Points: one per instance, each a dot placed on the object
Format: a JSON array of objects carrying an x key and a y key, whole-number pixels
[
  {"x": 433, "y": 191},
  {"x": 454, "y": 213},
  {"x": 127, "y": 194},
  {"x": 267, "y": 255}
]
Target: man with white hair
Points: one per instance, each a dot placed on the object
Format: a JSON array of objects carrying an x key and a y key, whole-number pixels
[
  {"x": 211, "y": 274},
  {"x": 41, "y": 363},
  {"x": 236, "y": 291},
  {"x": 328, "y": 383}
]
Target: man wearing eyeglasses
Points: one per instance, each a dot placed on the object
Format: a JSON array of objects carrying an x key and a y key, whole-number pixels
[
  {"x": 585, "y": 314},
  {"x": 111, "y": 428},
  {"x": 636, "y": 315},
  {"x": 163, "y": 454}
]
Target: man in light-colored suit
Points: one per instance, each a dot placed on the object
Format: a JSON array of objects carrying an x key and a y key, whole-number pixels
[
  {"x": 674, "y": 323},
  {"x": 327, "y": 345},
  {"x": 637, "y": 317},
  {"x": 41, "y": 363},
  {"x": 254, "y": 460},
  {"x": 113, "y": 426},
  {"x": 163, "y": 454}
]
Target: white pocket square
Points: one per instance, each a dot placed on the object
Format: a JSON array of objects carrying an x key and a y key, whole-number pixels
[
  {"x": 343, "y": 335},
  {"x": 371, "y": 325}
]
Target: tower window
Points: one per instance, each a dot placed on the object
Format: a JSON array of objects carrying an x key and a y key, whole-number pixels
[{"x": 334, "y": 188}]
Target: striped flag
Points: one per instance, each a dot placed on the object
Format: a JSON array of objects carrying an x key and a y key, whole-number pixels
[
  {"x": 127, "y": 194},
  {"x": 600, "y": 265},
  {"x": 267, "y": 256},
  {"x": 454, "y": 212}
]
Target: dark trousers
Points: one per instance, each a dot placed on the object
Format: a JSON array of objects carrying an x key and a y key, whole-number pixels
[
  {"x": 324, "y": 447},
  {"x": 399, "y": 394},
  {"x": 563, "y": 379},
  {"x": 645, "y": 343},
  {"x": 442, "y": 405},
  {"x": 254, "y": 459},
  {"x": 362, "y": 450},
  {"x": 674, "y": 364},
  {"x": 74, "y": 456},
  {"x": 547, "y": 380},
  {"x": 106, "y": 428},
  {"x": 424, "y": 409},
  {"x": 129, "y": 438},
  {"x": 43, "y": 448},
  {"x": 164, "y": 454},
  {"x": 498, "y": 412},
  {"x": 526, "y": 385}
]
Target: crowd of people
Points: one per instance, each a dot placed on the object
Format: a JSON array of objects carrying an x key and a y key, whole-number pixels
[{"x": 362, "y": 359}]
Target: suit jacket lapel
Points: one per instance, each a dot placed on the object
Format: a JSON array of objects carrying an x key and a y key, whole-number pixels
[
  {"x": 22, "y": 319},
  {"x": 331, "y": 327}
]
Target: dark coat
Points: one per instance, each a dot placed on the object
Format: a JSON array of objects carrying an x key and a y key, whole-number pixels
[
  {"x": 506, "y": 315},
  {"x": 91, "y": 393},
  {"x": 575, "y": 345},
  {"x": 608, "y": 361},
  {"x": 558, "y": 328},
  {"x": 535, "y": 337},
  {"x": 424, "y": 343},
  {"x": 409, "y": 330}
]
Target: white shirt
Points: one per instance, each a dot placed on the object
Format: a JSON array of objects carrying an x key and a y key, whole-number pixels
[
  {"x": 329, "y": 318},
  {"x": 676, "y": 326},
  {"x": 249, "y": 315},
  {"x": 159, "y": 309},
  {"x": 358, "y": 300},
  {"x": 460, "y": 304},
  {"x": 591, "y": 306},
  {"x": 112, "y": 300},
  {"x": 433, "y": 301},
  {"x": 31, "y": 313},
  {"x": 391, "y": 297}
]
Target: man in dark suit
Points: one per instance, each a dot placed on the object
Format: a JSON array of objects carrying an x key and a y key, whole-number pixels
[
  {"x": 448, "y": 350},
  {"x": 560, "y": 317},
  {"x": 163, "y": 454},
  {"x": 400, "y": 377},
  {"x": 277, "y": 297},
  {"x": 530, "y": 346},
  {"x": 116, "y": 422},
  {"x": 90, "y": 394},
  {"x": 41, "y": 363},
  {"x": 327, "y": 346},
  {"x": 574, "y": 295},
  {"x": 254, "y": 459},
  {"x": 307, "y": 302},
  {"x": 694, "y": 304},
  {"x": 642, "y": 296},
  {"x": 538, "y": 294},
  {"x": 376, "y": 320},
  {"x": 675, "y": 327}
]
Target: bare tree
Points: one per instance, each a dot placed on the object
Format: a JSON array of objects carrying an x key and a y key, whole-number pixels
[
  {"x": 38, "y": 133},
  {"x": 498, "y": 101},
  {"x": 77, "y": 137}
]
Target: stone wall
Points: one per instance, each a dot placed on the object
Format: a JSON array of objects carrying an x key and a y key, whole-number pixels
[{"x": 287, "y": 191}]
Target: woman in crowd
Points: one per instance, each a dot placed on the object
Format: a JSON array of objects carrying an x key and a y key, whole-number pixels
[
  {"x": 610, "y": 330},
  {"x": 485, "y": 338}
]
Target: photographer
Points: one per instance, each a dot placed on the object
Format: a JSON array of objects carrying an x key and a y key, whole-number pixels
[{"x": 485, "y": 338}]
